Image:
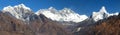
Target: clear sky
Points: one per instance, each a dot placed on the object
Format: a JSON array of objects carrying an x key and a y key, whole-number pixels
[{"x": 79, "y": 6}]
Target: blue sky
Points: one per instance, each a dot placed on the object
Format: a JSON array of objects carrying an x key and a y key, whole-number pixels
[{"x": 79, "y": 6}]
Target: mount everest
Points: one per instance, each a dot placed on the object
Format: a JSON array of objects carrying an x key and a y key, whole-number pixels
[{"x": 62, "y": 15}]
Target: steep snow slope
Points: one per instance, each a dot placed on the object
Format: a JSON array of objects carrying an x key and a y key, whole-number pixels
[
  {"x": 18, "y": 11},
  {"x": 62, "y": 15},
  {"x": 102, "y": 14}
]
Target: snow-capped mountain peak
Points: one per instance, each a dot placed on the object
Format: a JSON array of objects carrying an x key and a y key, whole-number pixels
[
  {"x": 22, "y": 6},
  {"x": 102, "y": 14},
  {"x": 65, "y": 14},
  {"x": 66, "y": 11},
  {"x": 18, "y": 11},
  {"x": 51, "y": 8},
  {"x": 103, "y": 10}
]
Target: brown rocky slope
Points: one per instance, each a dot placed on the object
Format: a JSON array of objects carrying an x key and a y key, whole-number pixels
[
  {"x": 12, "y": 26},
  {"x": 108, "y": 26}
]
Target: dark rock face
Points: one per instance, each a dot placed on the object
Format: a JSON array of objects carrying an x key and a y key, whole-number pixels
[
  {"x": 43, "y": 18},
  {"x": 119, "y": 15}
]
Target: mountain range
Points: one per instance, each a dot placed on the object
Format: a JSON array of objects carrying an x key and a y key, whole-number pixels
[
  {"x": 21, "y": 20},
  {"x": 22, "y": 12}
]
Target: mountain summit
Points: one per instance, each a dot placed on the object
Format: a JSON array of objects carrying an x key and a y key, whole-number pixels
[
  {"x": 65, "y": 14},
  {"x": 102, "y": 14},
  {"x": 18, "y": 11}
]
